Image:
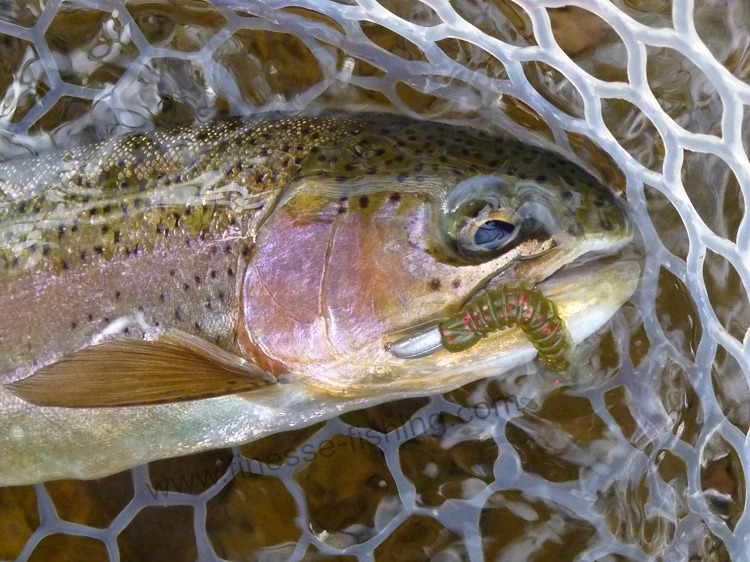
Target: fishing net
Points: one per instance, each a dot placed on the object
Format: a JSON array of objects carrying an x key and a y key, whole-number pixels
[{"x": 648, "y": 460}]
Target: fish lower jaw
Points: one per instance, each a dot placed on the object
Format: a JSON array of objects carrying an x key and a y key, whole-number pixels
[{"x": 585, "y": 298}]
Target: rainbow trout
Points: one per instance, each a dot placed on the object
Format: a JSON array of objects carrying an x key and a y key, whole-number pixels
[{"x": 170, "y": 291}]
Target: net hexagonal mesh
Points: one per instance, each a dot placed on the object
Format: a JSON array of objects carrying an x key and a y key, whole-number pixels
[{"x": 645, "y": 461}]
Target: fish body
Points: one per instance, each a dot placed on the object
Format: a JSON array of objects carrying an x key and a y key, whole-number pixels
[{"x": 170, "y": 291}]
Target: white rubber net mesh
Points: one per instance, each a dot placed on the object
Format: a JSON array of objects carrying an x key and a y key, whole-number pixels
[{"x": 647, "y": 461}]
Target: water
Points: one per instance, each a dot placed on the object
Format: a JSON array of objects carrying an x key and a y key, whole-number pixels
[{"x": 644, "y": 460}]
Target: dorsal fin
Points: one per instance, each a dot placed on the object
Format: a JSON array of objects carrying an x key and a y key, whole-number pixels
[{"x": 173, "y": 367}]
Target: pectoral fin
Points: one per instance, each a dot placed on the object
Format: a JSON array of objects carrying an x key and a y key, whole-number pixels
[{"x": 170, "y": 368}]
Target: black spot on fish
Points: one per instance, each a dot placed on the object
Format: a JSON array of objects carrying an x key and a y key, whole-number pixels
[
  {"x": 197, "y": 326},
  {"x": 213, "y": 274},
  {"x": 162, "y": 298},
  {"x": 599, "y": 202},
  {"x": 197, "y": 279},
  {"x": 606, "y": 224},
  {"x": 177, "y": 314},
  {"x": 575, "y": 229},
  {"x": 541, "y": 178},
  {"x": 90, "y": 317},
  {"x": 435, "y": 284},
  {"x": 230, "y": 272},
  {"x": 395, "y": 197},
  {"x": 117, "y": 295},
  {"x": 456, "y": 283},
  {"x": 364, "y": 201},
  {"x": 172, "y": 272},
  {"x": 402, "y": 177},
  {"x": 73, "y": 325},
  {"x": 567, "y": 195}
]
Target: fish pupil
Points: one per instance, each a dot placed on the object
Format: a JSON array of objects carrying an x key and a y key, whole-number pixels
[{"x": 493, "y": 233}]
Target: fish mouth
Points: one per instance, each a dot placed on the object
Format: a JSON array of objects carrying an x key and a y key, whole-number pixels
[{"x": 585, "y": 296}]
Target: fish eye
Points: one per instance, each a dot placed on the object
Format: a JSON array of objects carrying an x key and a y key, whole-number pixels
[
  {"x": 493, "y": 234},
  {"x": 483, "y": 235},
  {"x": 481, "y": 219}
]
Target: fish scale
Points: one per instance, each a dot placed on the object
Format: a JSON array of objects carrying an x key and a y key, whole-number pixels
[
  {"x": 128, "y": 207},
  {"x": 62, "y": 200},
  {"x": 141, "y": 276}
]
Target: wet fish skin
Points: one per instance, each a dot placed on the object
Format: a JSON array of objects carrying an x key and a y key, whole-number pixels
[
  {"x": 88, "y": 229},
  {"x": 174, "y": 211},
  {"x": 155, "y": 229}
]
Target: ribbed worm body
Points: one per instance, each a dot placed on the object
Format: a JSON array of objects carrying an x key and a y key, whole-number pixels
[{"x": 514, "y": 305}]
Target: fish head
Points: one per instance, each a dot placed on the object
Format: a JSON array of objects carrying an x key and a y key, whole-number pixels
[{"x": 343, "y": 264}]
